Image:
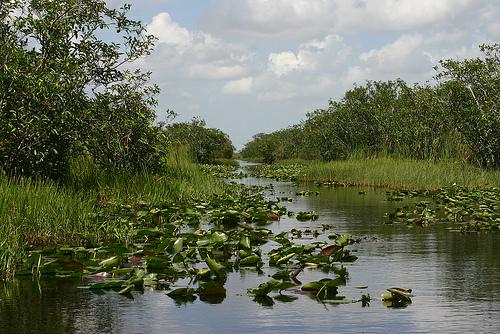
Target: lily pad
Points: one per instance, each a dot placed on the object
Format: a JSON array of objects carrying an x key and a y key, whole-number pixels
[
  {"x": 285, "y": 298},
  {"x": 329, "y": 250}
]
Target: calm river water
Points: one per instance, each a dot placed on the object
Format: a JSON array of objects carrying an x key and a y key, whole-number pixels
[{"x": 455, "y": 277}]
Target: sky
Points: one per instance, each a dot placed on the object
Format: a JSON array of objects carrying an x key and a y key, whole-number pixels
[{"x": 251, "y": 66}]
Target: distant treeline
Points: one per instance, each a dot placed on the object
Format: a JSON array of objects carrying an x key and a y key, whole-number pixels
[
  {"x": 205, "y": 145},
  {"x": 456, "y": 118},
  {"x": 64, "y": 93}
]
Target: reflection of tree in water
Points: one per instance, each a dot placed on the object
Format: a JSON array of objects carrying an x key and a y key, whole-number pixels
[
  {"x": 356, "y": 212},
  {"x": 471, "y": 267},
  {"x": 57, "y": 306},
  {"x": 468, "y": 263},
  {"x": 344, "y": 202}
]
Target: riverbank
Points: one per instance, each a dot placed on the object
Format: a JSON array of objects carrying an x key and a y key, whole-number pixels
[
  {"x": 37, "y": 214},
  {"x": 454, "y": 192},
  {"x": 384, "y": 258},
  {"x": 396, "y": 173}
]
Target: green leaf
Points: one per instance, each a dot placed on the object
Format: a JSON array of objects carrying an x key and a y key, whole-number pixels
[
  {"x": 110, "y": 262},
  {"x": 178, "y": 245},
  {"x": 211, "y": 288},
  {"x": 285, "y": 259},
  {"x": 245, "y": 242},
  {"x": 181, "y": 292},
  {"x": 126, "y": 289},
  {"x": 108, "y": 284},
  {"x": 251, "y": 260},
  {"x": 219, "y": 237},
  {"x": 285, "y": 298},
  {"x": 214, "y": 266}
]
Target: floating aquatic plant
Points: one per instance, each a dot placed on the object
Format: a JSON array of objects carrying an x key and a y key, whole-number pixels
[{"x": 473, "y": 210}]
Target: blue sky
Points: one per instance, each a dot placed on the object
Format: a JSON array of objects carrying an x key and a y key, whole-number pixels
[{"x": 250, "y": 66}]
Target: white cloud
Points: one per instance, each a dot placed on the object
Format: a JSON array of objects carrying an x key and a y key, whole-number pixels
[
  {"x": 312, "y": 71},
  {"x": 295, "y": 87},
  {"x": 215, "y": 71},
  {"x": 285, "y": 62},
  {"x": 356, "y": 74},
  {"x": 312, "y": 55},
  {"x": 494, "y": 29},
  {"x": 268, "y": 62},
  {"x": 265, "y": 18},
  {"x": 194, "y": 54},
  {"x": 398, "y": 15},
  {"x": 396, "y": 55},
  {"x": 305, "y": 19},
  {"x": 169, "y": 32},
  {"x": 241, "y": 86},
  {"x": 328, "y": 67},
  {"x": 407, "y": 57},
  {"x": 412, "y": 57}
]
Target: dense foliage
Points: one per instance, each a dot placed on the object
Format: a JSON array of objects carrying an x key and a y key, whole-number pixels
[
  {"x": 278, "y": 145},
  {"x": 456, "y": 118},
  {"x": 64, "y": 93},
  {"x": 62, "y": 89},
  {"x": 204, "y": 144}
]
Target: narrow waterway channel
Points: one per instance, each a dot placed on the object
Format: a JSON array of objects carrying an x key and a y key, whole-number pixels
[{"x": 454, "y": 276}]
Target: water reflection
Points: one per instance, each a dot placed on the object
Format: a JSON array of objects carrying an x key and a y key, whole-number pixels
[
  {"x": 454, "y": 277},
  {"x": 51, "y": 306}
]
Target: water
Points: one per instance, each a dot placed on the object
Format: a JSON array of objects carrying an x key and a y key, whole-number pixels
[{"x": 455, "y": 278}]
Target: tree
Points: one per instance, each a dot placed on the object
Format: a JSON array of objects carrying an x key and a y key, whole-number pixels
[
  {"x": 457, "y": 118},
  {"x": 205, "y": 144},
  {"x": 472, "y": 89},
  {"x": 122, "y": 134},
  {"x": 62, "y": 89}
]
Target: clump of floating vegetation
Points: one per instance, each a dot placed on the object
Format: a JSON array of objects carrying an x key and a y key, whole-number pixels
[
  {"x": 223, "y": 171},
  {"x": 281, "y": 172},
  {"x": 472, "y": 210},
  {"x": 188, "y": 248}
]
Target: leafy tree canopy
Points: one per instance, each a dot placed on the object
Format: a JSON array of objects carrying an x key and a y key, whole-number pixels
[{"x": 63, "y": 89}]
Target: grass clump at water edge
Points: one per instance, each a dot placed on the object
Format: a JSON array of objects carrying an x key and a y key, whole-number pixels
[
  {"x": 400, "y": 173},
  {"x": 36, "y": 213}
]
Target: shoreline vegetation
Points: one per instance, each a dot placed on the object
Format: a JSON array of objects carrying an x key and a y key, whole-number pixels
[
  {"x": 396, "y": 173},
  {"x": 472, "y": 206},
  {"x": 390, "y": 133},
  {"x": 78, "y": 139},
  {"x": 90, "y": 184},
  {"x": 438, "y": 141},
  {"x": 381, "y": 172},
  {"x": 40, "y": 213}
]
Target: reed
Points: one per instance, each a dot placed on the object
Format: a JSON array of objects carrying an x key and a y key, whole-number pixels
[
  {"x": 392, "y": 172},
  {"x": 37, "y": 213}
]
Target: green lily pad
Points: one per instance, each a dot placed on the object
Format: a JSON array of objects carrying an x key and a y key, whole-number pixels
[
  {"x": 251, "y": 260},
  {"x": 214, "y": 266},
  {"x": 285, "y": 298},
  {"x": 157, "y": 262},
  {"x": 62, "y": 267}
]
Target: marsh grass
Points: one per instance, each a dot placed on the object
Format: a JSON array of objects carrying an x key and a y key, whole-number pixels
[
  {"x": 396, "y": 173},
  {"x": 180, "y": 179},
  {"x": 226, "y": 162},
  {"x": 36, "y": 213}
]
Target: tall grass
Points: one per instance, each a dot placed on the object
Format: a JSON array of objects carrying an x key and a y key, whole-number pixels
[
  {"x": 396, "y": 172},
  {"x": 226, "y": 162},
  {"x": 36, "y": 213},
  {"x": 180, "y": 179}
]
